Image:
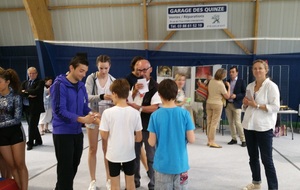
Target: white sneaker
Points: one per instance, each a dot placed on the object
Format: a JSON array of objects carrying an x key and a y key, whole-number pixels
[
  {"x": 108, "y": 185},
  {"x": 252, "y": 186},
  {"x": 92, "y": 185}
]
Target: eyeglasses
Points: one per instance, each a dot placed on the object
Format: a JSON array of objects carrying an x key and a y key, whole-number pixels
[{"x": 143, "y": 70}]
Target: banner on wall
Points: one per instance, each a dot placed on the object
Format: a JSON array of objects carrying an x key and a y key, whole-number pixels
[
  {"x": 202, "y": 76},
  {"x": 196, "y": 78},
  {"x": 164, "y": 72},
  {"x": 197, "y": 17}
]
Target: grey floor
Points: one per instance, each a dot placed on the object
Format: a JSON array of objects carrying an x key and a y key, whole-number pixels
[{"x": 211, "y": 169}]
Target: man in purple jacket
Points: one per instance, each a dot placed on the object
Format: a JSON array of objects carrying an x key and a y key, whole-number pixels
[{"x": 70, "y": 110}]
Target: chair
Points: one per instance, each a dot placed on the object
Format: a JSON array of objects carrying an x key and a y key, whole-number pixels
[
  {"x": 221, "y": 126},
  {"x": 204, "y": 118},
  {"x": 204, "y": 123}
]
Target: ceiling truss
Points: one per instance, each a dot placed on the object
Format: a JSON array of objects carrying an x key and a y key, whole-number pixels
[{"x": 41, "y": 28}]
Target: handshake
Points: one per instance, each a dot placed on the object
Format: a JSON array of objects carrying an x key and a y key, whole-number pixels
[{"x": 91, "y": 118}]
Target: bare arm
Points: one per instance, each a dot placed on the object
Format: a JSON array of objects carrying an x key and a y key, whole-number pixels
[
  {"x": 104, "y": 134},
  {"x": 150, "y": 109},
  {"x": 227, "y": 95},
  {"x": 247, "y": 102},
  {"x": 190, "y": 136},
  {"x": 138, "y": 136},
  {"x": 181, "y": 103},
  {"x": 86, "y": 119},
  {"x": 152, "y": 139},
  {"x": 145, "y": 109}
]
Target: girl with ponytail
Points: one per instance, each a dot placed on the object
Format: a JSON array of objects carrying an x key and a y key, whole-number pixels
[{"x": 12, "y": 136}]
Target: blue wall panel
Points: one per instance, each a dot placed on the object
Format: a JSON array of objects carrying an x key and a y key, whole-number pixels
[{"x": 55, "y": 60}]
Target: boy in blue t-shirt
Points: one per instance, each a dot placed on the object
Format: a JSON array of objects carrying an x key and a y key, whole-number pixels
[{"x": 171, "y": 128}]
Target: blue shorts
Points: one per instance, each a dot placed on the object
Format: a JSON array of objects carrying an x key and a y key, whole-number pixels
[{"x": 12, "y": 135}]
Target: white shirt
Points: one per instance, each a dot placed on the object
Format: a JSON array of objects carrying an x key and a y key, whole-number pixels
[
  {"x": 257, "y": 119},
  {"x": 120, "y": 122},
  {"x": 138, "y": 99},
  {"x": 105, "y": 90},
  {"x": 232, "y": 85}
]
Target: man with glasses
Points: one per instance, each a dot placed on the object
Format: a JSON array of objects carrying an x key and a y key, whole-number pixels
[
  {"x": 134, "y": 75},
  {"x": 33, "y": 106},
  {"x": 146, "y": 103}
]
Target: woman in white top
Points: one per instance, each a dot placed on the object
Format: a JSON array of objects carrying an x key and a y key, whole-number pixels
[
  {"x": 214, "y": 105},
  {"x": 261, "y": 105},
  {"x": 97, "y": 86},
  {"x": 180, "y": 81},
  {"x": 46, "y": 117}
]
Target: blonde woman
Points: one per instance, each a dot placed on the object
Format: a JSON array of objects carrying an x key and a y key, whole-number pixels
[
  {"x": 214, "y": 105},
  {"x": 180, "y": 82},
  {"x": 261, "y": 107},
  {"x": 99, "y": 95}
]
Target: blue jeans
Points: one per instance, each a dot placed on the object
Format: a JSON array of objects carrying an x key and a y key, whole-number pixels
[
  {"x": 261, "y": 142},
  {"x": 150, "y": 156},
  {"x": 171, "y": 181}
]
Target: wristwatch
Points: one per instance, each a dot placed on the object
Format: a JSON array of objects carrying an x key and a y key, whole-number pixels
[
  {"x": 257, "y": 106},
  {"x": 141, "y": 109}
]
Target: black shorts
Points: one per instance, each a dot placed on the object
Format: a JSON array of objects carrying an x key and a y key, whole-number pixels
[
  {"x": 115, "y": 168},
  {"x": 11, "y": 135}
]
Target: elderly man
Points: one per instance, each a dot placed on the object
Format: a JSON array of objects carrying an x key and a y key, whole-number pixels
[
  {"x": 146, "y": 103},
  {"x": 33, "y": 105}
]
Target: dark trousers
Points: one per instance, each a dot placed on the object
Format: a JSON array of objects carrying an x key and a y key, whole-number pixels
[
  {"x": 68, "y": 151},
  {"x": 261, "y": 142},
  {"x": 150, "y": 156},
  {"x": 33, "y": 129}
]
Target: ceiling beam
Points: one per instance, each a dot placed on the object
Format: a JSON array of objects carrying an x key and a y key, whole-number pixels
[
  {"x": 132, "y": 4},
  {"x": 40, "y": 19},
  {"x": 166, "y": 39},
  {"x": 145, "y": 16},
  {"x": 12, "y": 9},
  {"x": 244, "y": 48},
  {"x": 195, "y": 2},
  {"x": 255, "y": 32},
  {"x": 94, "y": 6}
]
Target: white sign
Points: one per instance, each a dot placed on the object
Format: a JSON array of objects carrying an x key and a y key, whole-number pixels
[{"x": 197, "y": 17}]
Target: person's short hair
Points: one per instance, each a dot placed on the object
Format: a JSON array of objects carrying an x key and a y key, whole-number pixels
[
  {"x": 234, "y": 67},
  {"x": 178, "y": 75},
  {"x": 32, "y": 68},
  {"x": 220, "y": 74},
  {"x": 120, "y": 87},
  {"x": 75, "y": 61},
  {"x": 103, "y": 59},
  {"x": 134, "y": 61},
  {"x": 168, "y": 89}
]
